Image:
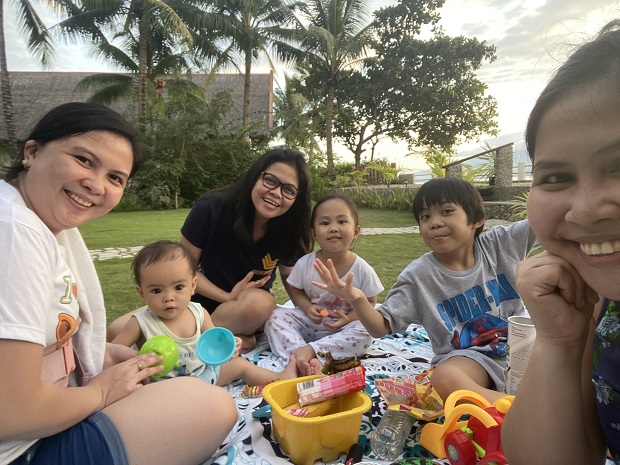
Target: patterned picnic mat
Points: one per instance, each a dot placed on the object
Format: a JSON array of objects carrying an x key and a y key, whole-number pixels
[{"x": 251, "y": 441}]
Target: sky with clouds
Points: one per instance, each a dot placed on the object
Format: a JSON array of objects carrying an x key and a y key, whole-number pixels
[{"x": 531, "y": 36}]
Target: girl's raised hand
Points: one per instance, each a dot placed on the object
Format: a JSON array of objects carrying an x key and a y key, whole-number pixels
[
  {"x": 558, "y": 299},
  {"x": 332, "y": 283},
  {"x": 120, "y": 380}
]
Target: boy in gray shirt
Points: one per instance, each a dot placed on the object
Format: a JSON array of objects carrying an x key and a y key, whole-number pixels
[{"x": 462, "y": 292}]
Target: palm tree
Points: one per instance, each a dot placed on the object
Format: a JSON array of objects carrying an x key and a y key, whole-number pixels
[
  {"x": 39, "y": 44},
  {"x": 292, "y": 116},
  {"x": 141, "y": 26},
  {"x": 334, "y": 36},
  {"x": 163, "y": 68},
  {"x": 250, "y": 28}
]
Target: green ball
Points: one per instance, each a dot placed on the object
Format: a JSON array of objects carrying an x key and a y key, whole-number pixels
[{"x": 165, "y": 347}]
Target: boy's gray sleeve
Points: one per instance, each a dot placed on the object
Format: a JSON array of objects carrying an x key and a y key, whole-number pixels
[
  {"x": 516, "y": 240},
  {"x": 399, "y": 306}
]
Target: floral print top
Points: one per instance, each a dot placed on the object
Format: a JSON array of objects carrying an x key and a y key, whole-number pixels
[{"x": 606, "y": 374}]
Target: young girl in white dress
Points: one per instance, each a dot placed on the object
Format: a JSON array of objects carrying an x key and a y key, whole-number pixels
[{"x": 321, "y": 322}]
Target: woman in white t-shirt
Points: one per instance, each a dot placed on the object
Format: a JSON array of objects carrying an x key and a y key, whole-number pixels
[{"x": 73, "y": 168}]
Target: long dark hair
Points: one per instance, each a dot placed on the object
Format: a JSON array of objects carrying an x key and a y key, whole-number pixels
[
  {"x": 75, "y": 118},
  {"x": 293, "y": 227},
  {"x": 593, "y": 62}
]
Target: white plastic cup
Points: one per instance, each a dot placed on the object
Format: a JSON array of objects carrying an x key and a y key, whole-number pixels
[{"x": 521, "y": 337}]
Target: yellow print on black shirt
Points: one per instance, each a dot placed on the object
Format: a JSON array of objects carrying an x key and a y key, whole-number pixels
[{"x": 268, "y": 264}]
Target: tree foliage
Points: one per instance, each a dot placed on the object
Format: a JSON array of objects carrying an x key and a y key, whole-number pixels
[
  {"x": 334, "y": 36},
  {"x": 143, "y": 37},
  {"x": 436, "y": 159},
  {"x": 250, "y": 28},
  {"x": 190, "y": 150},
  {"x": 358, "y": 79},
  {"x": 424, "y": 92},
  {"x": 39, "y": 44},
  {"x": 385, "y": 171},
  {"x": 293, "y": 118}
]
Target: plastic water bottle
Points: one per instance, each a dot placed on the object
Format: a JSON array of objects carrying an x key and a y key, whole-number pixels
[{"x": 388, "y": 439}]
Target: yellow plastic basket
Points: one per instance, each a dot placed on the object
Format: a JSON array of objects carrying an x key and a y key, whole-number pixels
[{"x": 305, "y": 440}]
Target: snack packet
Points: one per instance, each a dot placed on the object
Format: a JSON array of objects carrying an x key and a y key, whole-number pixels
[
  {"x": 414, "y": 395},
  {"x": 319, "y": 389}
]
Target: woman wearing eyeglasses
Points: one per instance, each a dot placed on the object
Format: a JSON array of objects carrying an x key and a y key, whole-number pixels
[{"x": 239, "y": 235}]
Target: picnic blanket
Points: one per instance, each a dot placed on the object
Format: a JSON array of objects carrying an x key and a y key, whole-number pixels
[{"x": 251, "y": 441}]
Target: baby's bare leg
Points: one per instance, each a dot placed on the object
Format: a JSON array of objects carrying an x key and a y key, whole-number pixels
[{"x": 252, "y": 374}]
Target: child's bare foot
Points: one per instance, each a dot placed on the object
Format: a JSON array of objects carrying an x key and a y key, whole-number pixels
[
  {"x": 290, "y": 371},
  {"x": 315, "y": 367},
  {"x": 304, "y": 355},
  {"x": 247, "y": 342},
  {"x": 304, "y": 368}
]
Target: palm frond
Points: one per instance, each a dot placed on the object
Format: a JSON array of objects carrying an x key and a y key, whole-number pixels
[
  {"x": 32, "y": 27},
  {"x": 109, "y": 87}
]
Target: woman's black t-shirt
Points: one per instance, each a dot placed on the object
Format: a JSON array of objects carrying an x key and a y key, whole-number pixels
[{"x": 225, "y": 260}]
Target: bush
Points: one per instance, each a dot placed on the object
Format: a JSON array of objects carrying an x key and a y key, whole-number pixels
[
  {"x": 131, "y": 203},
  {"x": 519, "y": 210},
  {"x": 383, "y": 199}
]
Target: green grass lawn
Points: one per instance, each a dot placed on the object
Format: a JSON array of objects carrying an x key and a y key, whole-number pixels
[
  {"x": 128, "y": 229},
  {"x": 388, "y": 254}
]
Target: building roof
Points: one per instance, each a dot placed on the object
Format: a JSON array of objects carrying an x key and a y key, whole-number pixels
[{"x": 35, "y": 93}]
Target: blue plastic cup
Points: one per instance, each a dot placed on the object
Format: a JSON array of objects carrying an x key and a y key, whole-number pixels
[{"x": 216, "y": 346}]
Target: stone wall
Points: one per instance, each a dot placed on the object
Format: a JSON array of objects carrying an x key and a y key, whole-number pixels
[
  {"x": 501, "y": 210},
  {"x": 503, "y": 166},
  {"x": 500, "y": 193}
]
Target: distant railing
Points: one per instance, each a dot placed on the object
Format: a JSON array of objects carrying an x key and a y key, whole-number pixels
[
  {"x": 495, "y": 149},
  {"x": 506, "y": 171},
  {"x": 521, "y": 173},
  {"x": 502, "y": 165}
]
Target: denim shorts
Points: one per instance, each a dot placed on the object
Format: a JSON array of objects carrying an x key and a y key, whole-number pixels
[{"x": 93, "y": 441}]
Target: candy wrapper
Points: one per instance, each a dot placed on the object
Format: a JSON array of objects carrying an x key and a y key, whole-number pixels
[
  {"x": 319, "y": 389},
  {"x": 250, "y": 392},
  {"x": 414, "y": 395}
]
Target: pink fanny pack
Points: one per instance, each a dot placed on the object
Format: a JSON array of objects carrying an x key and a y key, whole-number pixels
[{"x": 58, "y": 363}]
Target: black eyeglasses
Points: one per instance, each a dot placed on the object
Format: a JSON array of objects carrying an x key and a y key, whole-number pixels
[{"x": 271, "y": 181}]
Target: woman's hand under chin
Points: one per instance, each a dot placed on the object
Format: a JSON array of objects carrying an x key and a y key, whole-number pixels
[{"x": 559, "y": 301}]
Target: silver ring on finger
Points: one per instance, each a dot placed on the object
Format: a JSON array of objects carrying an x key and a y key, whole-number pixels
[{"x": 140, "y": 367}]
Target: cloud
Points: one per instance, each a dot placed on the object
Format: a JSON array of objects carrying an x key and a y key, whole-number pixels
[{"x": 530, "y": 36}]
